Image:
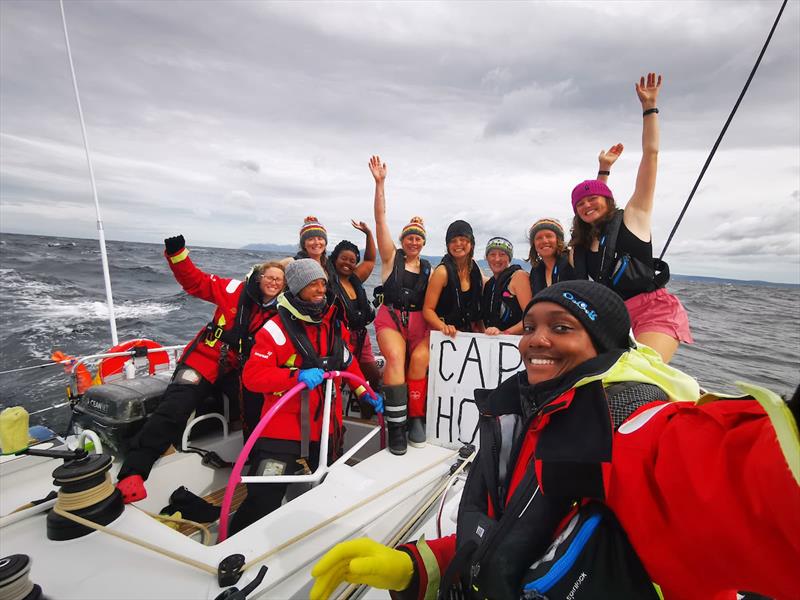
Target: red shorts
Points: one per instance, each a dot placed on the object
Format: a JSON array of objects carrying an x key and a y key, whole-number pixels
[
  {"x": 366, "y": 355},
  {"x": 415, "y": 332},
  {"x": 659, "y": 312}
]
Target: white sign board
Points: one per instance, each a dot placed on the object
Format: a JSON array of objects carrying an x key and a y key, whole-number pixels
[{"x": 457, "y": 367}]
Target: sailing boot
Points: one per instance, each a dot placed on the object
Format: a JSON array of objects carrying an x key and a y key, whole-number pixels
[
  {"x": 417, "y": 391},
  {"x": 394, "y": 406}
]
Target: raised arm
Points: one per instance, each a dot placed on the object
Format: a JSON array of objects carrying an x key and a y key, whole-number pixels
[
  {"x": 606, "y": 160},
  {"x": 364, "y": 268},
  {"x": 639, "y": 210},
  {"x": 386, "y": 245}
]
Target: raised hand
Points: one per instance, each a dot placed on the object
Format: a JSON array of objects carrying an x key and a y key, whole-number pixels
[
  {"x": 647, "y": 89},
  {"x": 608, "y": 157},
  {"x": 377, "y": 168},
  {"x": 361, "y": 226}
]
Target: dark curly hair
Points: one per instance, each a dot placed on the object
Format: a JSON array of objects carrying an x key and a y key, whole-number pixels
[{"x": 345, "y": 245}]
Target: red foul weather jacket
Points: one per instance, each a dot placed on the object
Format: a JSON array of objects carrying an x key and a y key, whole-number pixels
[
  {"x": 203, "y": 352},
  {"x": 275, "y": 363},
  {"x": 705, "y": 493}
]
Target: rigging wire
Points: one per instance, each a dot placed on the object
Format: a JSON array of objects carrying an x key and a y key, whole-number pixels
[
  {"x": 100, "y": 233},
  {"x": 724, "y": 129}
]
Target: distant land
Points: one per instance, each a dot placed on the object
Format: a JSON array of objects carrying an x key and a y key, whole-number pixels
[{"x": 291, "y": 250}]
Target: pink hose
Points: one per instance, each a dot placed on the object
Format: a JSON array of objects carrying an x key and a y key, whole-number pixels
[{"x": 236, "y": 473}]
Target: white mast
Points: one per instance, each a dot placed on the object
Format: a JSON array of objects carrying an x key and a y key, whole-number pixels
[{"x": 100, "y": 233}]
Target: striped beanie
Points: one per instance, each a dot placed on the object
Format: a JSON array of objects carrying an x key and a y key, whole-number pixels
[
  {"x": 414, "y": 227},
  {"x": 500, "y": 243},
  {"x": 312, "y": 228},
  {"x": 546, "y": 224}
]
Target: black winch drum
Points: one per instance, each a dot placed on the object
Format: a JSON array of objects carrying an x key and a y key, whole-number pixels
[
  {"x": 14, "y": 582},
  {"x": 78, "y": 476}
]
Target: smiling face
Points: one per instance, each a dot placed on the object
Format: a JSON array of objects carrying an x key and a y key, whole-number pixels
[
  {"x": 498, "y": 261},
  {"x": 271, "y": 283},
  {"x": 314, "y": 292},
  {"x": 591, "y": 208},
  {"x": 545, "y": 242},
  {"x": 315, "y": 246},
  {"x": 412, "y": 244},
  {"x": 553, "y": 342},
  {"x": 345, "y": 263},
  {"x": 459, "y": 247}
]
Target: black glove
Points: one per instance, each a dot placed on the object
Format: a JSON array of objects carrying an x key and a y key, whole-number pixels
[{"x": 174, "y": 244}]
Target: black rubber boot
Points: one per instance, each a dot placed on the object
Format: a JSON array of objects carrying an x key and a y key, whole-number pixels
[
  {"x": 416, "y": 432},
  {"x": 395, "y": 398}
]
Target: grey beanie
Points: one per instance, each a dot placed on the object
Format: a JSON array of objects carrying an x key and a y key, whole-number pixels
[{"x": 302, "y": 272}]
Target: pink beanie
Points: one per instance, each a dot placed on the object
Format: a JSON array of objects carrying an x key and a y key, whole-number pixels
[{"x": 590, "y": 187}]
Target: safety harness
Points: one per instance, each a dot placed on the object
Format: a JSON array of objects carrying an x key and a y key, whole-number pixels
[
  {"x": 394, "y": 295},
  {"x": 338, "y": 358},
  {"x": 562, "y": 271},
  {"x": 451, "y": 308},
  {"x": 625, "y": 274},
  {"x": 494, "y": 311}
]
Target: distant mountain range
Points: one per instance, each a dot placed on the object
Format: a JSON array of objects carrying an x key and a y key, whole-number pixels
[{"x": 291, "y": 250}]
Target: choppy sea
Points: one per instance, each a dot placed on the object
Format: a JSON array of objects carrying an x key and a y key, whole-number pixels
[{"x": 52, "y": 296}]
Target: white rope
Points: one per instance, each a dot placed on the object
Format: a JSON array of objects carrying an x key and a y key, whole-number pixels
[
  {"x": 346, "y": 511},
  {"x": 101, "y": 234},
  {"x": 413, "y": 519},
  {"x": 128, "y": 538}
]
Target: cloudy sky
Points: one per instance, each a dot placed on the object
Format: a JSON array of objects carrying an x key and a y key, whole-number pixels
[{"x": 229, "y": 122}]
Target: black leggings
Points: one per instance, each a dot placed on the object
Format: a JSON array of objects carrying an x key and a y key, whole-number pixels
[
  {"x": 166, "y": 424},
  {"x": 270, "y": 457}
]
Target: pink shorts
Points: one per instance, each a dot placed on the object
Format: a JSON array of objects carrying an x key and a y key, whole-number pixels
[
  {"x": 659, "y": 312},
  {"x": 415, "y": 332}
]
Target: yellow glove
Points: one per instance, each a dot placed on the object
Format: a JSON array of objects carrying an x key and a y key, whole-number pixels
[{"x": 361, "y": 561}]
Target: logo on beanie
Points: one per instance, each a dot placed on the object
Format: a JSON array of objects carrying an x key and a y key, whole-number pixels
[{"x": 581, "y": 304}]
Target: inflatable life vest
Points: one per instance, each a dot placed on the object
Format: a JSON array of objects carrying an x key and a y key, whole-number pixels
[
  {"x": 402, "y": 298},
  {"x": 455, "y": 307},
  {"x": 495, "y": 311},
  {"x": 358, "y": 311},
  {"x": 338, "y": 357},
  {"x": 114, "y": 365},
  {"x": 562, "y": 271},
  {"x": 625, "y": 274}
]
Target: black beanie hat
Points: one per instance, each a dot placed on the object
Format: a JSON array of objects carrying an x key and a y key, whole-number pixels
[
  {"x": 457, "y": 228},
  {"x": 600, "y": 310}
]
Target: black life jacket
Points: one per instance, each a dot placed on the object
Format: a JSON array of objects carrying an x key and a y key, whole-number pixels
[
  {"x": 399, "y": 297},
  {"x": 240, "y": 338},
  {"x": 338, "y": 357},
  {"x": 562, "y": 271},
  {"x": 495, "y": 311},
  {"x": 494, "y": 553},
  {"x": 623, "y": 273},
  {"x": 359, "y": 311},
  {"x": 457, "y": 308}
]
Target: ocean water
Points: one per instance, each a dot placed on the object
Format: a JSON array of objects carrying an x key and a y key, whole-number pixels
[{"x": 52, "y": 296}]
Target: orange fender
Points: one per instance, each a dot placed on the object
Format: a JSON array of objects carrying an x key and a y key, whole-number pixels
[{"x": 82, "y": 374}]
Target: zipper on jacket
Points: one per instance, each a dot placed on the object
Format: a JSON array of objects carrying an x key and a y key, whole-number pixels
[{"x": 567, "y": 560}]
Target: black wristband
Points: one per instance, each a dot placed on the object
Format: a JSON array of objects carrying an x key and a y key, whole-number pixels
[
  {"x": 603, "y": 173},
  {"x": 650, "y": 111}
]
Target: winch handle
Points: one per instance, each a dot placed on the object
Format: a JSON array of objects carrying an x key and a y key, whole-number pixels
[{"x": 77, "y": 454}]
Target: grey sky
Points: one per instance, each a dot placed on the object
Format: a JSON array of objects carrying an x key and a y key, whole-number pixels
[{"x": 229, "y": 122}]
